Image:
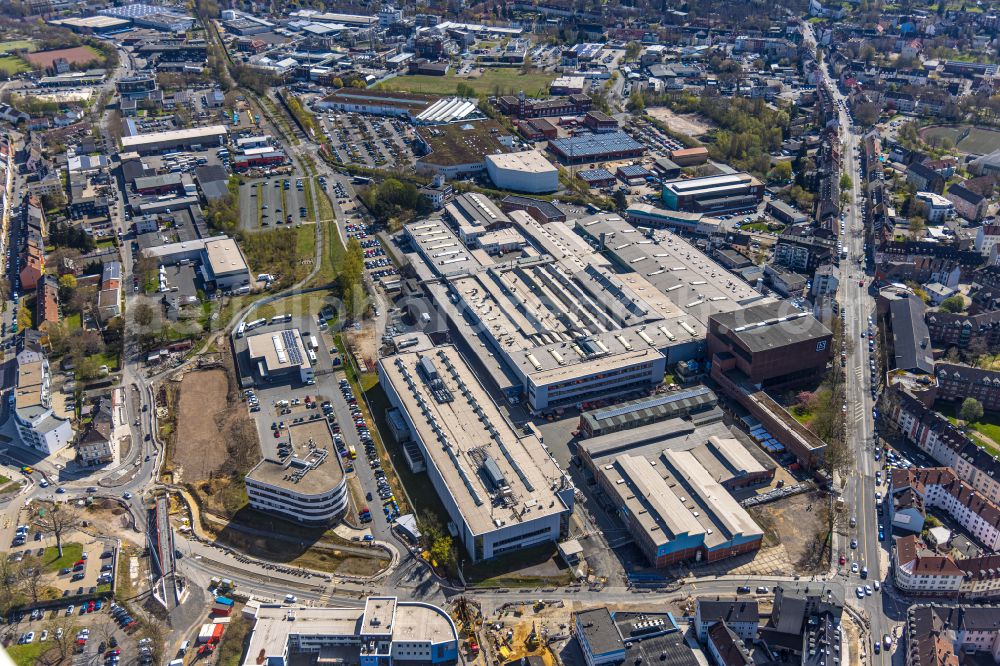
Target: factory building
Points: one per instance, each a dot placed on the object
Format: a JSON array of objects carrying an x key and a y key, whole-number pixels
[
  {"x": 526, "y": 171},
  {"x": 713, "y": 194},
  {"x": 500, "y": 487},
  {"x": 670, "y": 482},
  {"x": 607, "y": 147}
]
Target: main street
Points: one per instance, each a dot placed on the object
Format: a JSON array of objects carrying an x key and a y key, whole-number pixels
[{"x": 860, "y": 488}]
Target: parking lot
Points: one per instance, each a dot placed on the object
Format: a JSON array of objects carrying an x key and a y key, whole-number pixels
[
  {"x": 377, "y": 262},
  {"x": 658, "y": 143},
  {"x": 369, "y": 140},
  {"x": 95, "y": 632},
  {"x": 273, "y": 202},
  {"x": 87, "y": 563}
]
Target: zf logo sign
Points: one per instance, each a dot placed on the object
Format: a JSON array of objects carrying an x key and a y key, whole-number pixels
[{"x": 821, "y": 346}]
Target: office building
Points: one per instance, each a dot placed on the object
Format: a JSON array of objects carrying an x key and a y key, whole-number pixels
[
  {"x": 499, "y": 485},
  {"x": 224, "y": 265},
  {"x": 385, "y": 631},
  {"x": 300, "y": 476},
  {"x": 280, "y": 356}
]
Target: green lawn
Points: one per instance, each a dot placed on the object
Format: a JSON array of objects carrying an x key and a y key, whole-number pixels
[
  {"x": 17, "y": 45},
  {"x": 506, "y": 80},
  {"x": 989, "y": 427},
  {"x": 71, "y": 553},
  {"x": 73, "y": 321},
  {"x": 29, "y": 655},
  {"x": 11, "y": 65}
]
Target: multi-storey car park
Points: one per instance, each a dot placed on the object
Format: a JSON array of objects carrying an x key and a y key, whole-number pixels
[
  {"x": 383, "y": 632},
  {"x": 501, "y": 488},
  {"x": 564, "y": 325}
]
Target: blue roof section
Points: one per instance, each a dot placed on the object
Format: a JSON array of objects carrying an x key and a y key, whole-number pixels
[
  {"x": 633, "y": 171},
  {"x": 595, "y": 174},
  {"x": 596, "y": 144}
]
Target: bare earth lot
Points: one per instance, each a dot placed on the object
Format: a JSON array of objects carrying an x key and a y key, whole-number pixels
[
  {"x": 687, "y": 123},
  {"x": 200, "y": 448},
  {"x": 792, "y": 522}
]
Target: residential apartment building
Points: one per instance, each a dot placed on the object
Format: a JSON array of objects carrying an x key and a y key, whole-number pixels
[
  {"x": 956, "y": 382},
  {"x": 96, "y": 445},
  {"x": 937, "y": 635},
  {"x": 918, "y": 571},
  {"x": 740, "y": 615},
  {"x": 947, "y": 329},
  {"x": 37, "y": 424},
  {"x": 940, "y": 488}
]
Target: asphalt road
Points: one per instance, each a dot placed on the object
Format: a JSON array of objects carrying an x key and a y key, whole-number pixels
[{"x": 881, "y": 609}]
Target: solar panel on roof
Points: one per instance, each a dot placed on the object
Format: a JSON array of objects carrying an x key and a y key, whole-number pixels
[{"x": 295, "y": 356}]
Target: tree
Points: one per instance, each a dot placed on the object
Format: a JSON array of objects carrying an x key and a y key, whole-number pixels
[
  {"x": 621, "y": 201},
  {"x": 636, "y": 102},
  {"x": 441, "y": 551},
  {"x": 971, "y": 410},
  {"x": 351, "y": 275},
  {"x": 845, "y": 182},
  {"x": 953, "y": 304},
  {"x": 59, "y": 519},
  {"x": 144, "y": 314},
  {"x": 31, "y": 574},
  {"x": 782, "y": 171},
  {"x": 917, "y": 227},
  {"x": 24, "y": 320}
]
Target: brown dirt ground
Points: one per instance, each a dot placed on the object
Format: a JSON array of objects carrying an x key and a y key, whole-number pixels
[
  {"x": 793, "y": 523},
  {"x": 364, "y": 345},
  {"x": 77, "y": 54},
  {"x": 199, "y": 448},
  {"x": 686, "y": 123}
]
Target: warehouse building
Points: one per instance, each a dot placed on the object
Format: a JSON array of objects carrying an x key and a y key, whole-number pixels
[
  {"x": 782, "y": 212},
  {"x": 300, "y": 476},
  {"x": 377, "y": 102},
  {"x": 384, "y": 631},
  {"x": 190, "y": 139},
  {"x": 500, "y": 487},
  {"x": 606, "y": 147},
  {"x": 669, "y": 482},
  {"x": 713, "y": 194},
  {"x": 526, "y": 171},
  {"x": 280, "y": 356},
  {"x": 459, "y": 150}
]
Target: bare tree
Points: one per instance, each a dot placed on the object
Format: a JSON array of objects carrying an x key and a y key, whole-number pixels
[
  {"x": 62, "y": 640},
  {"x": 59, "y": 519},
  {"x": 11, "y": 583},
  {"x": 31, "y": 576}
]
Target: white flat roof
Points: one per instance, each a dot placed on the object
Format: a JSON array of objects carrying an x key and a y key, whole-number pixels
[
  {"x": 528, "y": 161},
  {"x": 462, "y": 434},
  {"x": 174, "y": 135}
]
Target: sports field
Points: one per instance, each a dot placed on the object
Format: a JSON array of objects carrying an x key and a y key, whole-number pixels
[
  {"x": 968, "y": 139},
  {"x": 505, "y": 80},
  {"x": 77, "y": 55}
]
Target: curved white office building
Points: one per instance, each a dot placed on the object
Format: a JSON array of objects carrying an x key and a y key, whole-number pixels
[{"x": 301, "y": 477}]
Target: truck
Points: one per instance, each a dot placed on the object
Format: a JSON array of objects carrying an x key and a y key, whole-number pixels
[
  {"x": 241, "y": 329},
  {"x": 351, "y": 451},
  {"x": 313, "y": 343}
]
